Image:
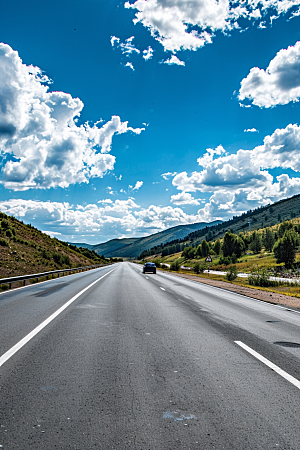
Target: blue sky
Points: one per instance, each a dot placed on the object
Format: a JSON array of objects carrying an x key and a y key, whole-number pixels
[{"x": 121, "y": 119}]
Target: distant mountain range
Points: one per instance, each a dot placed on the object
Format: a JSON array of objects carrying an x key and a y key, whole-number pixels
[
  {"x": 132, "y": 247},
  {"x": 262, "y": 217},
  {"x": 193, "y": 234}
]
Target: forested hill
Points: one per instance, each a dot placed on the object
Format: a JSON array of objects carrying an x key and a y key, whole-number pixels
[
  {"x": 132, "y": 247},
  {"x": 264, "y": 216}
]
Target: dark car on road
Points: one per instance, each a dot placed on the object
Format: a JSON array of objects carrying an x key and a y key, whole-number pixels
[{"x": 149, "y": 267}]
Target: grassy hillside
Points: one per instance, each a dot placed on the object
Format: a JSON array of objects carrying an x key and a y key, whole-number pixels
[
  {"x": 26, "y": 250},
  {"x": 178, "y": 232}
]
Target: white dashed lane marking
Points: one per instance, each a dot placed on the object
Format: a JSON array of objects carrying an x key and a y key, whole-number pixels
[{"x": 271, "y": 365}]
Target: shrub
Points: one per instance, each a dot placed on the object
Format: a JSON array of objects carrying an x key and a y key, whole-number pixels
[
  {"x": 45, "y": 254},
  {"x": 4, "y": 224},
  {"x": 65, "y": 259},
  {"x": 175, "y": 265},
  {"x": 8, "y": 233},
  {"x": 225, "y": 260},
  {"x": 56, "y": 257},
  {"x": 3, "y": 243},
  {"x": 199, "y": 268},
  {"x": 260, "y": 277},
  {"x": 231, "y": 274}
]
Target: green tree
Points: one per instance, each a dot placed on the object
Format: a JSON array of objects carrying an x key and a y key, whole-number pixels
[
  {"x": 209, "y": 236},
  {"x": 192, "y": 253},
  {"x": 240, "y": 247},
  {"x": 268, "y": 239},
  {"x": 285, "y": 248},
  {"x": 199, "y": 250},
  {"x": 205, "y": 248},
  {"x": 185, "y": 252},
  {"x": 284, "y": 227},
  {"x": 217, "y": 246},
  {"x": 256, "y": 243},
  {"x": 229, "y": 244}
]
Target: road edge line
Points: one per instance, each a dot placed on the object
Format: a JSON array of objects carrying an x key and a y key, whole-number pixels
[{"x": 13, "y": 350}]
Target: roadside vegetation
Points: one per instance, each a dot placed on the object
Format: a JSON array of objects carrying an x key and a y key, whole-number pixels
[
  {"x": 26, "y": 250},
  {"x": 263, "y": 253}
]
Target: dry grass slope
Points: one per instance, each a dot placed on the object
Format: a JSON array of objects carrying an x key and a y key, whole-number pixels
[{"x": 26, "y": 250}]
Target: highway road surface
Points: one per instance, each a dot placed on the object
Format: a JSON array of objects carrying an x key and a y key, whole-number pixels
[{"x": 116, "y": 359}]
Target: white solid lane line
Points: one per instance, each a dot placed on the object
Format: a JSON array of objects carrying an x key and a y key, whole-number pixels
[
  {"x": 7, "y": 355},
  {"x": 268, "y": 363}
]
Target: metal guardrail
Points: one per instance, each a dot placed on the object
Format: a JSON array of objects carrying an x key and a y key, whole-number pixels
[{"x": 23, "y": 278}]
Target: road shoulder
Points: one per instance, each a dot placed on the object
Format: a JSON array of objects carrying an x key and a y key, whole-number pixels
[{"x": 270, "y": 297}]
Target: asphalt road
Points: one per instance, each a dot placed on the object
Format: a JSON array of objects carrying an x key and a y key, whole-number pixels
[{"x": 146, "y": 362}]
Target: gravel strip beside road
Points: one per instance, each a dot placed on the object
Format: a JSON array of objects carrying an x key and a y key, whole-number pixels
[{"x": 271, "y": 297}]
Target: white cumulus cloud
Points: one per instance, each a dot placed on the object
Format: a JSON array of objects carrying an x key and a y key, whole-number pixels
[
  {"x": 130, "y": 65},
  {"x": 208, "y": 157},
  {"x": 137, "y": 185},
  {"x": 127, "y": 47},
  {"x": 184, "y": 198},
  {"x": 173, "y": 61},
  {"x": 189, "y": 25},
  {"x": 148, "y": 53},
  {"x": 279, "y": 84},
  {"x": 96, "y": 223},
  {"x": 242, "y": 180},
  {"x": 168, "y": 175},
  {"x": 114, "y": 40},
  {"x": 41, "y": 145}
]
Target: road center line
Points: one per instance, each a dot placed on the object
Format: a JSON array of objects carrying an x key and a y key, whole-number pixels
[
  {"x": 7, "y": 355},
  {"x": 268, "y": 363}
]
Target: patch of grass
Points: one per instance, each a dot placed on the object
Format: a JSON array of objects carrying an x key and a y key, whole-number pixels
[{"x": 293, "y": 291}]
